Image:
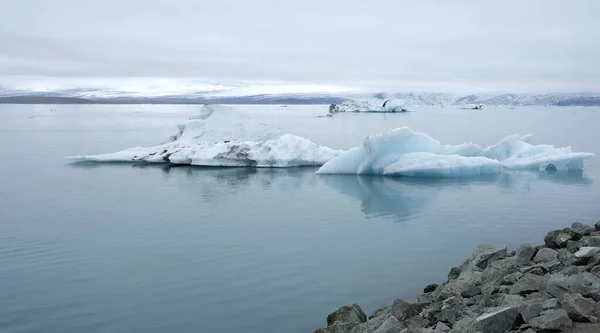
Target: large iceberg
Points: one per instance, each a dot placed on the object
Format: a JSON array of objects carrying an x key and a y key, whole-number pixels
[
  {"x": 219, "y": 136},
  {"x": 369, "y": 105},
  {"x": 404, "y": 152}
]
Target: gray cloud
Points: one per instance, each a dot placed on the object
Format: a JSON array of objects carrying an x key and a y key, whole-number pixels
[{"x": 509, "y": 45}]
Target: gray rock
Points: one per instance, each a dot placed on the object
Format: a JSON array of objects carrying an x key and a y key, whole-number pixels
[
  {"x": 546, "y": 255},
  {"x": 512, "y": 278},
  {"x": 581, "y": 229},
  {"x": 535, "y": 269},
  {"x": 566, "y": 257},
  {"x": 597, "y": 226},
  {"x": 574, "y": 246},
  {"x": 562, "y": 238},
  {"x": 452, "y": 288},
  {"x": 593, "y": 241},
  {"x": 525, "y": 253},
  {"x": 403, "y": 310},
  {"x": 557, "y": 320},
  {"x": 529, "y": 311},
  {"x": 470, "y": 291},
  {"x": 550, "y": 304},
  {"x": 550, "y": 239},
  {"x": 578, "y": 308},
  {"x": 555, "y": 285},
  {"x": 499, "y": 321},
  {"x": 449, "y": 315},
  {"x": 417, "y": 322},
  {"x": 442, "y": 328},
  {"x": 571, "y": 270},
  {"x": 391, "y": 325},
  {"x": 454, "y": 273},
  {"x": 341, "y": 328},
  {"x": 586, "y": 284},
  {"x": 493, "y": 275},
  {"x": 510, "y": 300},
  {"x": 527, "y": 284},
  {"x": 417, "y": 330},
  {"x": 347, "y": 314},
  {"x": 586, "y": 252},
  {"x": 380, "y": 312},
  {"x": 595, "y": 270},
  {"x": 485, "y": 254}
]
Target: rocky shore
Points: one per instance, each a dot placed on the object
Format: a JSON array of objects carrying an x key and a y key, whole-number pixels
[{"x": 553, "y": 287}]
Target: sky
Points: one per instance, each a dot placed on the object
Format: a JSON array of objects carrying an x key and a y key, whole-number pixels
[{"x": 466, "y": 46}]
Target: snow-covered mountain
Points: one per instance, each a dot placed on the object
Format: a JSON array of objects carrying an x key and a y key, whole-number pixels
[{"x": 217, "y": 92}]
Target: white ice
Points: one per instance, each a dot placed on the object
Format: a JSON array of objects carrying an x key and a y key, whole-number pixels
[
  {"x": 404, "y": 152},
  {"x": 369, "y": 105},
  {"x": 219, "y": 136}
]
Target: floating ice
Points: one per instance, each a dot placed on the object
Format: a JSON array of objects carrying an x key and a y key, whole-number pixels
[
  {"x": 369, "y": 105},
  {"x": 219, "y": 136},
  {"x": 404, "y": 152}
]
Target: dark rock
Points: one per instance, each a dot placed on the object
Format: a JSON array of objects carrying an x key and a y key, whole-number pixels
[
  {"x": 550, "y": 239},
  {"x": 578, "y": 308},
  {"x": 557, "y": 320},
  {"x": 595, "y": 271},
  {"x": 485, "y": 254},
  {"x": 525, "y": 253},
  {"x": 403, "y": 310},
  {"x": 571, "y": 270},
  {"x": 493, "y": 275},
  {"x": 529, "y": 311},
  {"x": 340, "y": 328},
  {"x": 536, "y": 270},
  {"x": 562, "y": 238},
  {"x": 546, "y": 255},
  {"x": 527, "y": 284},
  {"x": 417, "y": 330},
  {"x": 347, "y": 314},
  {"x": 454, "y": 273},
  {"x": 584, "y": 254},
  {"x": 500, "y": 321},
  {"x": 430, "y": 287},
  {"x": 597, "y": 226},
  {"x": 417, "y": 322},
  {"x": 574, "y": 246}
]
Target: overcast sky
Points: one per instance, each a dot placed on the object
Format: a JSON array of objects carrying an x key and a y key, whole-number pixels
[{"x": 445, "y": 46}]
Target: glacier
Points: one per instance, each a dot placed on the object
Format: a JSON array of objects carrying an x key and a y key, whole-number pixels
[
  {"x": 369, "y": 105},
  {"x": 219, "y": 136},
  {"x": 404, "y": 152}
]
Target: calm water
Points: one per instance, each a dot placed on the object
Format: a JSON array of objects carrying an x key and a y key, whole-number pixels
[{"x": 127, "y": 248}]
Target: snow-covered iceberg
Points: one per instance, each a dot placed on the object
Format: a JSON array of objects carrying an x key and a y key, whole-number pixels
[
  {"x": 404, "y": 152},
  {"x": 369, "y": 105},
  {"x": 219, "y": 136}
]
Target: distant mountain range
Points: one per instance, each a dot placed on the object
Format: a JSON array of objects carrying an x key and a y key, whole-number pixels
[{"x": 87, "y": 96}]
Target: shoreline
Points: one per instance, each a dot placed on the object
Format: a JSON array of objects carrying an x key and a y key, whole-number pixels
[{"x": 554, "y": 287}]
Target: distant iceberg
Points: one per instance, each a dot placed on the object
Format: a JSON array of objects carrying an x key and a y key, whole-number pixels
[
  {"x": 221, "y": 137},
  {"x": 369, "y": 105},
  {"x": 404, "y": 152}
]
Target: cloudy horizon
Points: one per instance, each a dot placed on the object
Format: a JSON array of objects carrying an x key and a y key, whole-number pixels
[{"x": 380, "y": 46}]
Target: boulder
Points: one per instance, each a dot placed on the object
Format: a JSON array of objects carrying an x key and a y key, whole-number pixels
[
  {"x": 550, "y": 239},
  {"x": 545, "y": 255},
  {"x": 512, "y": 278},
  {"x": 597, "y": 226},
  {"x": 595, "y": 270},
  {"x": 593, "y": 241},
  {"x": 430, "y": 287},
  {"x": 347, "y": 314},
  {"x": 417, "y": 322},
  {"x": 562, "y": 238},
  {"x": 454, "y": 273},
  {"x": 579, "y": 308},
  {"x": 403, "y": 310},
  {"x": 470, "y": 291},
  {"x": 452, "y": 288},
  {"x": 555, "y": 285},
  {"x": 391, "y": 325},
  {"x": 581, "y": 229},
  {"x": 417, "y": 330},
  {"x": 527, "y": 284},
  {"x": 556, "y": 320},
  {"x": 380, "y": 312},
  {"x": 574, "y": 246},
  {"x": 442, "y": 328},
  {"x": 550, "y": 304},
  {"x": 499, "y": 321},
  {"x": 510, "y": 300},
  {"x": 571, "y": 270},
  {"x": 485, "y": 254},
  {"x": 558, "y": 238},
  {"x": 525, "y": 253},
  {"x": 529, "y": 311},
  {"x": 566, "y": 257},
  {"x": 493, "y": 275},
  {"x": 341, "y": 328},
  {"x": 449, "y": 315},
  {"x": 586, "y": 284},
  {"x": 584, "y": 254}
]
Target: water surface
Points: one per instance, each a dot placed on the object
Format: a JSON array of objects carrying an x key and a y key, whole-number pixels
[{"x": 138, "y": 248}]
